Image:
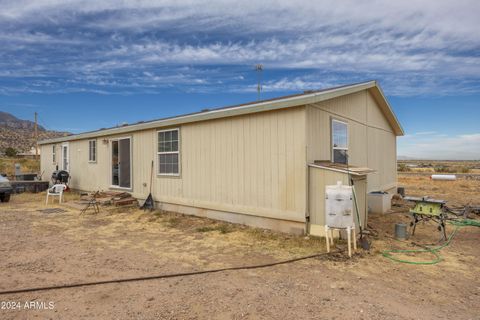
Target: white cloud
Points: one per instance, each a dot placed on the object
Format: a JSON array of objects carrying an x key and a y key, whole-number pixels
[
  {"x": 445, "y": 19},
  {"x": 421, "y": 133},
  {"x": 433, "y": 146},
  {"x": 415, "y": 47}
]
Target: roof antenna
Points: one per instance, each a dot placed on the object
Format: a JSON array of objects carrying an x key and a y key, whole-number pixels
[{"x": 259, "y": 70}]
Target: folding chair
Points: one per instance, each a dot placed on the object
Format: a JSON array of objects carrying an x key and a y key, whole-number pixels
[{"x": 92, "y": 202}]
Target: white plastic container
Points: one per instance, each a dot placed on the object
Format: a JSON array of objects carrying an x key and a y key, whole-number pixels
[
  {"x": 379, "y": 202},
  {"x": 445, "y": 177},
  {"x": 339, "y": 206}
]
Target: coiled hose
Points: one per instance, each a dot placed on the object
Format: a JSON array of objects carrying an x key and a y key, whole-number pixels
[{"x": 432, "y": 250}]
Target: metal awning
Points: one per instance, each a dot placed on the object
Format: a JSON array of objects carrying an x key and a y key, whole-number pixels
[{"x": 338, "y": 167}]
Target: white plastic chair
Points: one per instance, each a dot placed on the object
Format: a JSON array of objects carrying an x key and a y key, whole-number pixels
[{"x": 56, "y": 191}]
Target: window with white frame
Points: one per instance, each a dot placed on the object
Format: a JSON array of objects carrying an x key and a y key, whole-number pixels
[
  {"x": 339, "y": 141},
  {"x": 54, "y": 154},
  {"x": 168, "y": 152},
  {"x": 92, "y": 150}
]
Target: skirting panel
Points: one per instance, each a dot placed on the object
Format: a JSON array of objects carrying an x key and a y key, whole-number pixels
[{"x": 253, "y": 221}]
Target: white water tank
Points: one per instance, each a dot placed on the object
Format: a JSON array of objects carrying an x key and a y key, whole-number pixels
[
  {"x": 339, "y": 206},
  {"x": 447, "y": 177}
]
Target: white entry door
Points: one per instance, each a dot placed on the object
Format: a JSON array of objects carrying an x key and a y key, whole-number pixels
[
  {"x": 121, "y": 163},
  {"x": 65, "y": 157}
]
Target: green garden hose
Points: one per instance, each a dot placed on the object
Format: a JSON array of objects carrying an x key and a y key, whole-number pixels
[
  {"x": 432, "y": 250},
  {"x": 466, "y": 223}
]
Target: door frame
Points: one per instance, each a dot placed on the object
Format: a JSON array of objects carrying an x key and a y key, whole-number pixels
[
  {"x": 112, "y": 186},
  {"x": 65, "y": 155}
]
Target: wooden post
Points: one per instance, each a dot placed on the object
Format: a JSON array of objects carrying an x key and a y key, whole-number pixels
[
  {"x": 326, "y": 238},
  {"x": 36, "y": 136},
  {"x": 349, "y": 242}
]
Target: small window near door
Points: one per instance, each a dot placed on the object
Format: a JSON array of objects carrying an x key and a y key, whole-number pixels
[
  {"x": 168, "y": 152},
  {"x": 92, "y": 151},
  {"x": 54, "y": 154},
  {"x": 65, "y": 157},
  {"x": 339, "y": 141}
]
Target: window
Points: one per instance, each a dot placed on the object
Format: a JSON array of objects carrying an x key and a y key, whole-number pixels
[
  {"x": 54, "y": 154},
  {"x": 168, "y": 152},
  {"x": 92, "y": 151},
  {"x": 339, "y": 141}
]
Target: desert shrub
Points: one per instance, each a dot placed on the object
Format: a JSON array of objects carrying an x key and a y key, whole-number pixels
[
  {"x": 11, "y": 152},
  {"x": 463, "y": 169},
  {"x": 402, "y": 167},
  {"x": 455, "y": 169},
  {"x": 222, "y": 228},
  {"x": 205, "y": 229},
  {"x": 173, "y": 222},
  {"x": 442, "y": 169}
]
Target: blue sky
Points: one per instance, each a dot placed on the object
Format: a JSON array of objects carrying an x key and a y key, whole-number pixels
[{"x": 97, "y": 64}]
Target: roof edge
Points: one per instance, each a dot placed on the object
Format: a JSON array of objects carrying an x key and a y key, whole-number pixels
[
  {"x": 261, "y": 106},
  {"x": 391, "y": 117}
]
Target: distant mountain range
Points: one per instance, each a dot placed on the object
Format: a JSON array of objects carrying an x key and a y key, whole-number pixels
[
  {"x": 19, "y": 134},
  {"x": 406, "y": 158}
]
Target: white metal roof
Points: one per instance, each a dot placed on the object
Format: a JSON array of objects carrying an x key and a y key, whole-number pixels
[{"x": 253, "y": 107}]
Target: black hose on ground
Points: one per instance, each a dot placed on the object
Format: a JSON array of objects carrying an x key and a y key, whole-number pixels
[{"x": 162, "y": 276}]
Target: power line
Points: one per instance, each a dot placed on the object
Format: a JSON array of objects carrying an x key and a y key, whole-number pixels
[{"x": 42, "y": 123}]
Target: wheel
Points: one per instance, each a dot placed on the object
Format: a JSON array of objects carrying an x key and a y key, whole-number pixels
[{"x": 4, "y": 197}]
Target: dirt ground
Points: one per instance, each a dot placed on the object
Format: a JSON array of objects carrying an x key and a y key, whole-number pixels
[{"x": 41, "y": 249}]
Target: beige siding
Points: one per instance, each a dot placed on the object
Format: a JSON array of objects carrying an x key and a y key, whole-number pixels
[
  {"x": 382, "y": 156},
  {"x": 253, "y": 164},
  {"x": 86, "y": 175},
  {"x": 372, "y": 142},
  {"x": 375, "y": 116},
  {"x": 350, "y": 106},
  {"x": 46, "y": 160}
]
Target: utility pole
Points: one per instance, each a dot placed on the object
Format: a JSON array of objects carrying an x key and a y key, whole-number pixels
[
  {"x": 259, "y": 69},
  {"x": 36, "y": 136}
]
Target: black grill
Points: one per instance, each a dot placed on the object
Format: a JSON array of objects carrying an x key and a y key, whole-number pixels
[{"x": 60, "y": 176}]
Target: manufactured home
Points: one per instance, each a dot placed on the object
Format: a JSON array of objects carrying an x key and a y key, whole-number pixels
[{"x": 264, "y": 163}]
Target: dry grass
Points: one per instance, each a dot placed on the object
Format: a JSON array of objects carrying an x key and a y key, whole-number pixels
[
  {"x": 7, "y": 165},
  {"x": 113, "y": 222},
  {"x": 269, "y": 241},
  {"x": 439, "y": 166},
  {"x": 458, "y": 192},
  {"x": 432, "y": 170}
]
